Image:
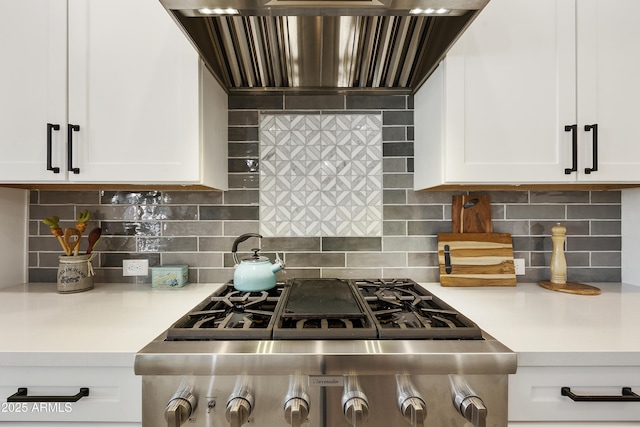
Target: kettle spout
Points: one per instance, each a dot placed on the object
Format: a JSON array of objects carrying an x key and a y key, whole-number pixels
[{"x": 278, "y": 265}]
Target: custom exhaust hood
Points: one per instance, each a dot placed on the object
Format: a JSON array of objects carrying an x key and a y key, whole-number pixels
[{"x": 322, "y": 44}]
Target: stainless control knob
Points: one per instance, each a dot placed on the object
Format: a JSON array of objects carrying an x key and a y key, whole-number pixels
[
  {"x": 356, "y": 410},
  {"x": 467, "y": 402},
  {"x": 296, "y": 403},
  {"x": 354, "y": 403},
  {"x": 414, "y": 410},
  {"x": 411, "y": 404},
  {"x": 238, "y": 410},
  {"x": 296, "y": 411},
  {"x": 180, "y": 407}
]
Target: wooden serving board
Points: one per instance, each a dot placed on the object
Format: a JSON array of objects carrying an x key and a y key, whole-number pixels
[
  {"x": 471, "y": 214},
  {"x": 571, "y": 288},
  {"x": 476, "y": 259}
]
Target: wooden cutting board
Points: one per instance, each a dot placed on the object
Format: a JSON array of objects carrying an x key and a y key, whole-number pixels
[
  {"x": 471, "y": 214},
  {"x": 476, "y": 259}
]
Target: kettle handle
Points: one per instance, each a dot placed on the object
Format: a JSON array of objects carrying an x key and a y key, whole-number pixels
[{"x": 239, "y": 240}]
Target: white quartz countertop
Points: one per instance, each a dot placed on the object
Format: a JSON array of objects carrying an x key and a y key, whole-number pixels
[
  {"x": 107, "y": 324},
  {"x": 116, "y": 320},
  {"x": 533, "y": 321}
]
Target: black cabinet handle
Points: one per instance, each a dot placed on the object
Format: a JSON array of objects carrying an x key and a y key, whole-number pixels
[
  {"x": 50, "y": 128},
  {"x": 70, "y": 129},
  {"x": 627, "y": 396},
  {"x": 593, "y": 128},
  {"x": 21, "y": 396},
  {"x": 574, "y": 148}
]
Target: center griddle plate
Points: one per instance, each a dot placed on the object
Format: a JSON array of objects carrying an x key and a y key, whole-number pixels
[
  {"x": 323, "y": 309},
  {"x": 327, "y": 298}
]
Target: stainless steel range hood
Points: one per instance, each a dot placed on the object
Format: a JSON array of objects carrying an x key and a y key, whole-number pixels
[{"x": 323, "y": 44}]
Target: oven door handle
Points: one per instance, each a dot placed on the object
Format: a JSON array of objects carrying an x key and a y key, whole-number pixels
[
  {"x": 21, "y": 396},
  {"x": 627, "y": 396}
]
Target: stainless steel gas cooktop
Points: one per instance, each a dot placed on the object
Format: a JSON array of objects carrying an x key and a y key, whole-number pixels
[
  {"x": 325, "y": 309},
  {"x": 325, "y": 353}
]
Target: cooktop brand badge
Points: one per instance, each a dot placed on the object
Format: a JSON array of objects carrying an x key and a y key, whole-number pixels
[{"x": 326, "y": 380}]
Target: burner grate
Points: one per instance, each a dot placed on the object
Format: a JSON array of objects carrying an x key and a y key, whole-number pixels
[
  {"x": 403, "y": 309},
  {"x": 230, "y": 314}
]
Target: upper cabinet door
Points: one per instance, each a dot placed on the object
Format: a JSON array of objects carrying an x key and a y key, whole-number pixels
[
  {"x": 536, "y": 92},
  {"x": 510, "y": 91},
  {"x": 133, "y": 90},
  {"x": 609, "y": 88},
  {"x": 33, "y": 80}
]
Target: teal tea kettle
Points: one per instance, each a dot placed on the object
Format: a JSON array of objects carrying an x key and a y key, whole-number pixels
[{"x": 255, "y": 273}]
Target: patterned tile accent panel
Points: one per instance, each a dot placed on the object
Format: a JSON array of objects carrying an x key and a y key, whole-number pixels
[{"x": 321, "y": 175}]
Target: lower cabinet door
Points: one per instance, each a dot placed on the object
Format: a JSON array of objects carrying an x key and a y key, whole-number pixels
[
  {"x": 535, "y": 395},
  {"x": 72, "y": 424},
  {"x": 568, "y": 424},
  {"x": 114, "y": 396}
]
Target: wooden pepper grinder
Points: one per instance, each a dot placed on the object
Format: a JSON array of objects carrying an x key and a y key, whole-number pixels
[
  {"x": 558, "y": 266},
  {"x": 558, "y": 261}
]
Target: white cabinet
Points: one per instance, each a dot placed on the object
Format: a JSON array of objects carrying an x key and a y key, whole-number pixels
[
  {"x": 33, "y": 80},
  {"x": 580, "y": 424},
  {"x": 114, "y": 395},
  {"x": 496, "y": 109},
  {"x": 609, "y": 88},
  {"x": 146, "y": 109},
  {"x": 92, "y": 424},
  {"x": 535, "y": 394}
]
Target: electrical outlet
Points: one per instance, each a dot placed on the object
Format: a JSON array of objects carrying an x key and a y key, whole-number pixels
[
  {"x": 519, "y": 264},
  {"x": 135, "y": 267}
]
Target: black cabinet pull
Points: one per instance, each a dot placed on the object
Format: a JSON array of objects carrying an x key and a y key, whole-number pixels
[
  {"x": 50, "y": 128},
  {"x": 70, "y": 129},
  {"x": 21, "y": 396},
  {"x": 574, "y": 148},
  {"x": 593, "y": 128},
  {"x": 627, "y": 396}
]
